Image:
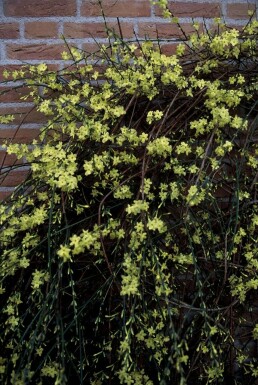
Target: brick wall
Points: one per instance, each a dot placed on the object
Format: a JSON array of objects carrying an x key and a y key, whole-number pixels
[{"x": 30, "y": 32}]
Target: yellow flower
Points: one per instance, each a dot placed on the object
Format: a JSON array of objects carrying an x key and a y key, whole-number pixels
[
  {"x": 156, "y": 224},
  {"x": 65, "y": 253}
]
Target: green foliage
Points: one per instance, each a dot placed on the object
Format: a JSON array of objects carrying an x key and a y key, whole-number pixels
[{"x": 129, "y": 255}]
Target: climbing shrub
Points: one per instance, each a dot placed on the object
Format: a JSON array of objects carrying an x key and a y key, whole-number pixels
[{"x": 129, "y": 254}]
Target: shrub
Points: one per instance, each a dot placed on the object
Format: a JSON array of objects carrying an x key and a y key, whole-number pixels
[{"x": 129, "y": 254}]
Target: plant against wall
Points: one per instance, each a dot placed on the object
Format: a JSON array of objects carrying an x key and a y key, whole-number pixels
[{"x": 129, "y": 255}]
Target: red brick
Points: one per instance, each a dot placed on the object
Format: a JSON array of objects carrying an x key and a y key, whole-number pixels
[
  {"x": 82, "y": 30},
  {"x": 22, "y": 135},
  {"x": 91, "y": 48},
  {"x": 13, "y": 95},
  {"x": 9, "y": 30},
  {"x": 41, "y": 30},
  {"x": 13, "y": 178},
  {"x": 239, "y": 10},
  {"x": 164, "y": 31},
  {"x": 23, "y": 115},
  {"x": 7, "y": 160},
  {"x": 95, "y": 50},
  {"x": 192, "y": 9},
  {"x": 5, "y": 194},
  {"x": 168, "y": 49},
  {"x": 223, "y": 192},
  {"x": 53, "y": 67},
  {"x": 32, "y": 8},
  {"x": 230, "y": 26},
  {"x": 116, "y": 8},
  {"x": 35, "y": 51}
]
